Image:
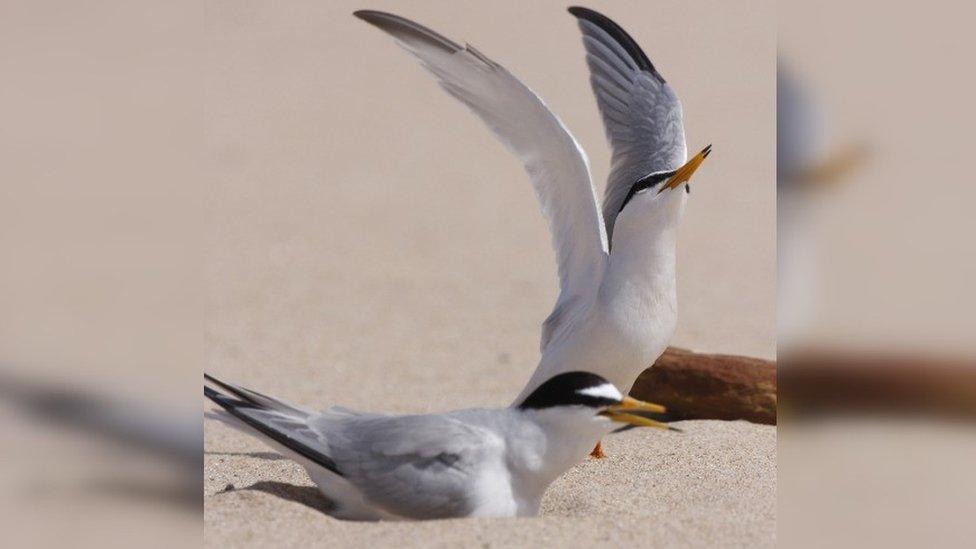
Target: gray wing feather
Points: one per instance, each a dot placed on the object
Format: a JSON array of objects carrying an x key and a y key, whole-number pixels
[
  {"x": 418, "y": 467},
  {"x": 641, "y": 116}
]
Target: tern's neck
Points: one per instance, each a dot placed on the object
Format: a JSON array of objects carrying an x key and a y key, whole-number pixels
[
  {"x": 642, "y": 265},
  {"x": 545, "y": 445}
]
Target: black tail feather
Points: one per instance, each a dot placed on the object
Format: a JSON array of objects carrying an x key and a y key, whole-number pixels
[
  {"x": 237, "y": 408},
  {"x": 236, "y": 391},
  {"x": 257, "y": 399}
]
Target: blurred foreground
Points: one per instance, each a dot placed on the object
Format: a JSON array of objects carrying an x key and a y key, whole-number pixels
[{"x": 101, "y": 316}]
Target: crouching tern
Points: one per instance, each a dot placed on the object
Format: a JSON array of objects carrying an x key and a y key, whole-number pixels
[
  {"x": 617, "y": 304},
  {"x": 480, "y": 462}
]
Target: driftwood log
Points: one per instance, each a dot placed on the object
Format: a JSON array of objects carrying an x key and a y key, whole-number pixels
[
  {"x": 710, "y": 386},
  {"x": 837, "y": 382}
]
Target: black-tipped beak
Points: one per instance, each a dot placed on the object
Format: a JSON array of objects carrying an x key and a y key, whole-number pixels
[
  {"x": 683, "y": 174},
  {"x": 632, "y": 412}
]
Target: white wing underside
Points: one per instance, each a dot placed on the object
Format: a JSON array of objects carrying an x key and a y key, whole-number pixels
[{"x": 556, "y": 164}]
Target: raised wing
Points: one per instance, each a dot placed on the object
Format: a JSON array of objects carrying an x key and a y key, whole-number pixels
[
  {"x": 641, "y": 113},
  {"x": 423, "y": 467},
  {"x": 553, "y": 159}
]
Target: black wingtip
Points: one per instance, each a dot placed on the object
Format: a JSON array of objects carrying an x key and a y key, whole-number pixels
[
  {"x": 402, "y": 28},
  {"x": 620, "y": 35},
  {"x": 369, "y": 15},
  {"x": 707, "y": 151},
  {"x": 380, "y": 19}
]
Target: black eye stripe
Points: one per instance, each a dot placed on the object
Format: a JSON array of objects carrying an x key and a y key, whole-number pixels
[{"x": 645, "y": 182}]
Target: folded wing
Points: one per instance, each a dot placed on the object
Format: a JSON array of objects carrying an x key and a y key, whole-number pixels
[{"x": 421, "y": 467}]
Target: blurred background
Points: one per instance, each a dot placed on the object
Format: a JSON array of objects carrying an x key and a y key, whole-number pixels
[
  {"x": 102, "y": 278},
  {"x": 876, "y": 268}
]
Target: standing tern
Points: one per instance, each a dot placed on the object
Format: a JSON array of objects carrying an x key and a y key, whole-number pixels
[
  {"x": 480, "y": 462},
  {"x": 617, "y": 304}
]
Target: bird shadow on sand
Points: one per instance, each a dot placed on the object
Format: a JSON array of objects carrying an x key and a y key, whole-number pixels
[{"x": 309, "y": 496}]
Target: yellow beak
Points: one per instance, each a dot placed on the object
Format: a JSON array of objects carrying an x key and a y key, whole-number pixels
[
  {"x": 621, "y": 413},
  {"x": 683, "y": 174}
]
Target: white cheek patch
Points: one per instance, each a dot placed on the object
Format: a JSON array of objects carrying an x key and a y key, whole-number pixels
[{"x": 607, "y": 390}]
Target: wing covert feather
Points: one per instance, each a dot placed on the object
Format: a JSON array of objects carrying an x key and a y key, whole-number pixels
[{"x": 422, "y": 466}]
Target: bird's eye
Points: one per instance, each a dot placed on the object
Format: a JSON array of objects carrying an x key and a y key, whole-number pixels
[{"x": 645, "y": 184}]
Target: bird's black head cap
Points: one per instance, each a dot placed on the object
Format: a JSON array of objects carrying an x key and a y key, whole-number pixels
[{"x": 573, "y": 389}]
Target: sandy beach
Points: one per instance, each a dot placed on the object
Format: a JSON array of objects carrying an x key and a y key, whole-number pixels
[
  {"x": 371, "y": 245},
  {"x": 714, "y": 486}
]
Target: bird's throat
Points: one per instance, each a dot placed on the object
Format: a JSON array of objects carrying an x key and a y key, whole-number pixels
[{"x": 640, "y": 271}]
